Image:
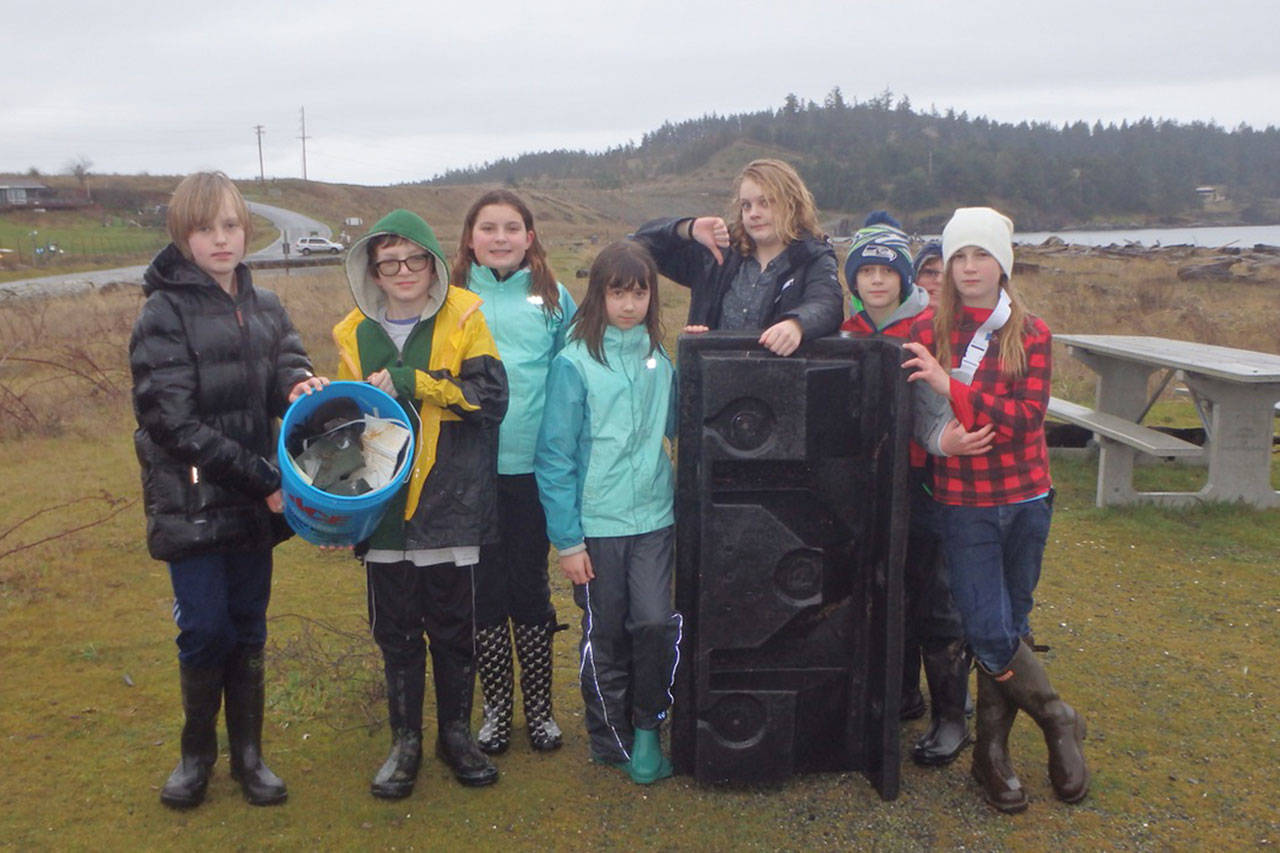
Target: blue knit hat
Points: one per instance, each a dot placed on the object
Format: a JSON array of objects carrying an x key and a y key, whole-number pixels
[
  {"x": 932, "y": 249},
  {"x": 882, "y": 241}
]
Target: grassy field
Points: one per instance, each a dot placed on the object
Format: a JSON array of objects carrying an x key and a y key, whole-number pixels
[{"x": 1163, "y": 625}]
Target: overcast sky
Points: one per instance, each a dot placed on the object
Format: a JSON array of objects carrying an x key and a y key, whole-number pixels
[{"x": 403, "y": 91}]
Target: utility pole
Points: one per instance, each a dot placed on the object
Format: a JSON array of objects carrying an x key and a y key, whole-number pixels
[
  {"x": 262, "y": 173},
  {"x": 303, "y": 112}
]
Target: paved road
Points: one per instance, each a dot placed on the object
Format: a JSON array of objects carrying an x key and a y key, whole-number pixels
[
  {"x": 291, "y": 224},
  {"x": 287, "y": 221}
]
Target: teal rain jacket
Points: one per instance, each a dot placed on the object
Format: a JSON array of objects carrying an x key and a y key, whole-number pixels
[
  {"x": 601, "y": 464},
  {"x": 527, "y": 340}
]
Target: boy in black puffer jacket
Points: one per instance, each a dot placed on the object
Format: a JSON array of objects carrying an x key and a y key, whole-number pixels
[{"x": 214, "y": 361}]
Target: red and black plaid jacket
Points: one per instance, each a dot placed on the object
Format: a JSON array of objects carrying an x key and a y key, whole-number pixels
[{"x": 1017, "y": 466}]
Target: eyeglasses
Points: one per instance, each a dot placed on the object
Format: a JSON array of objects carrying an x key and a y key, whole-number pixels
[{"x": 413, "y": 263}]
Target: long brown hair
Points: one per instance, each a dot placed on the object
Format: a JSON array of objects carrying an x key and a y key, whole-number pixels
[
  {"x": 623, "y": 265},
  {"x": 542, "y": 281},
  {"x": 1013, "y": 354},
  {"x": 794, "y": 213}
]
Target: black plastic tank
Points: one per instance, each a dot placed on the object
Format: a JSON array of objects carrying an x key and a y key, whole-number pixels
[{"x": 791, "y": 507}]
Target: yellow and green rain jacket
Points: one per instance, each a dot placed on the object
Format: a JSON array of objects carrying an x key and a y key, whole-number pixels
[{"x": 449, "y": 375}]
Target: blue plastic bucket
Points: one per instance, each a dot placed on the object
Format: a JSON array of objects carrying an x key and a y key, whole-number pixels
[{"x": 322, "y": 518}]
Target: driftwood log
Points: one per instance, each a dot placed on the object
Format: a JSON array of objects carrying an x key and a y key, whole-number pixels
[{"x": 1211, "y": 271}]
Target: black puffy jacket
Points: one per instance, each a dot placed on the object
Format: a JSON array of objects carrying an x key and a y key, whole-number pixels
[
  {"x": 210, "y": 375},
  {"x": 808, "y": 288}
]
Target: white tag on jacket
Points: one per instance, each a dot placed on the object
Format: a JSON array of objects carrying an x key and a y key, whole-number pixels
[{"x": 982, "y": 339}]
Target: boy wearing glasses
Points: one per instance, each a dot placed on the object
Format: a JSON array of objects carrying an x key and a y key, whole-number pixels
[
  {"x": 426, "y": 344},
  {"x": 929, "y": 270}
]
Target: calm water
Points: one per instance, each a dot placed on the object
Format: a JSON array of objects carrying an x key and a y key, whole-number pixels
[{"x": 1242, "y": 236}]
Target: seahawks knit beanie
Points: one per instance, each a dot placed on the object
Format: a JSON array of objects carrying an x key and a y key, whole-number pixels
[
  {"x": 982, "y": 227},
  {"x": 932, "y": 249},
  {"x": 880, "y": 241}
]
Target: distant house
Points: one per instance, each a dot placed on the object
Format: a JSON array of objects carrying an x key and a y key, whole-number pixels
[
  {"x": 20, "y": 194},
  {"x": 1208, "y": 193},
  {"x": 23, "y": 194}
]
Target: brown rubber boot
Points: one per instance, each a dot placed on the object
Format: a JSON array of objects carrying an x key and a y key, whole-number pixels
[
  {"x": 1026, "y": 684},
  {"x": 992, "y": 767}
]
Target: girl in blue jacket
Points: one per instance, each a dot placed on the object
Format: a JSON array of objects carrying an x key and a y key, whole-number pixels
[
  {"x": 501, "y": 259},
  {"x": 606, "y": 484}
]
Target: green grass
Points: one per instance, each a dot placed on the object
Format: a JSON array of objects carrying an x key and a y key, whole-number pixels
[{"x": 1163, "y": 624}]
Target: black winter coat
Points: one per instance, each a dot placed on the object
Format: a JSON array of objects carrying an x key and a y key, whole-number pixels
[
  {"x": 808, "y": 288},
  {"x": 210, "y": 374}
]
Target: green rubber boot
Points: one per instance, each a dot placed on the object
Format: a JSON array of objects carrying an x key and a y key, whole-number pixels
[{"x": 648, "y": 764}]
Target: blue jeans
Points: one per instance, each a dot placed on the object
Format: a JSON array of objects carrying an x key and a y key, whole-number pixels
[
  {"x": 220, "y": 602},
  {"x": 993, "y": 559}
]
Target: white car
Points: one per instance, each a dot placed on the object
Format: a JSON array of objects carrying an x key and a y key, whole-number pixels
[{"x": 307, "y": 245}]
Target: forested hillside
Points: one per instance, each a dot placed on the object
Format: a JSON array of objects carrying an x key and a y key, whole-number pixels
[{"x": 883, "y": 152}]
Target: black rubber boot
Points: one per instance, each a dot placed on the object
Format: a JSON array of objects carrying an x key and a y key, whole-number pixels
[
  {"x": 493, "y": 663},
  {"x": 912, "y": 706},
  {"x": 455, "y": 682},
  {"x": 946, "y": 667},
  {"x": 1026, "y": 684},
  {"x": 245, "y": 701},
  {"x": 533, "y": 647},
  {"x": 201, "y": 699},
  {"x": 992, "y": 768},
  {"x": 398, "y": 774}
]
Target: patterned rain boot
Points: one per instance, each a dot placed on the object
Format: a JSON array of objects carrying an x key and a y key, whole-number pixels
[
  {"x": 493, "y": 663},
  {"x": 533, "y": 647}
]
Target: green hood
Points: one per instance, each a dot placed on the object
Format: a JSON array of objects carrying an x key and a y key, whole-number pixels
[{"x": 403, "y": 223}]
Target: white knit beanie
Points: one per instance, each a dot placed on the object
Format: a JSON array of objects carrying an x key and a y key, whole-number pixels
[{"x": 982, "y": 227}]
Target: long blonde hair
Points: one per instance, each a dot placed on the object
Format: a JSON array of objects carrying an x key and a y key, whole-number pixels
[
  {"x": 794, "y": 213},
  {"x": 1013, "y": 354}
]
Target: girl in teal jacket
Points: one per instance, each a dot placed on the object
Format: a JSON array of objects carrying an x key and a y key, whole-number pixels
[
  {"x": 605, "y": 479},
  {"x": 501, "y": 259}
]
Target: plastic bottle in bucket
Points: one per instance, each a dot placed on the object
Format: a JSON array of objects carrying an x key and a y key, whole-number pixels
[{"x": 322, "y": 518}]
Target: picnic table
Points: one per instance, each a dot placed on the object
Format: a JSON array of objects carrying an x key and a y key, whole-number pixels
[{"x": 1234, "y": 391}]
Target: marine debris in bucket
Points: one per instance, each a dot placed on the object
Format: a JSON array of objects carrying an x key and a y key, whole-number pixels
[{"x": 343, "y": 451}]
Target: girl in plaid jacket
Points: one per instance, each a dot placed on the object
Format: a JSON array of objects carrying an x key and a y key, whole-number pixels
[{"x": 995, "y": 508}]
